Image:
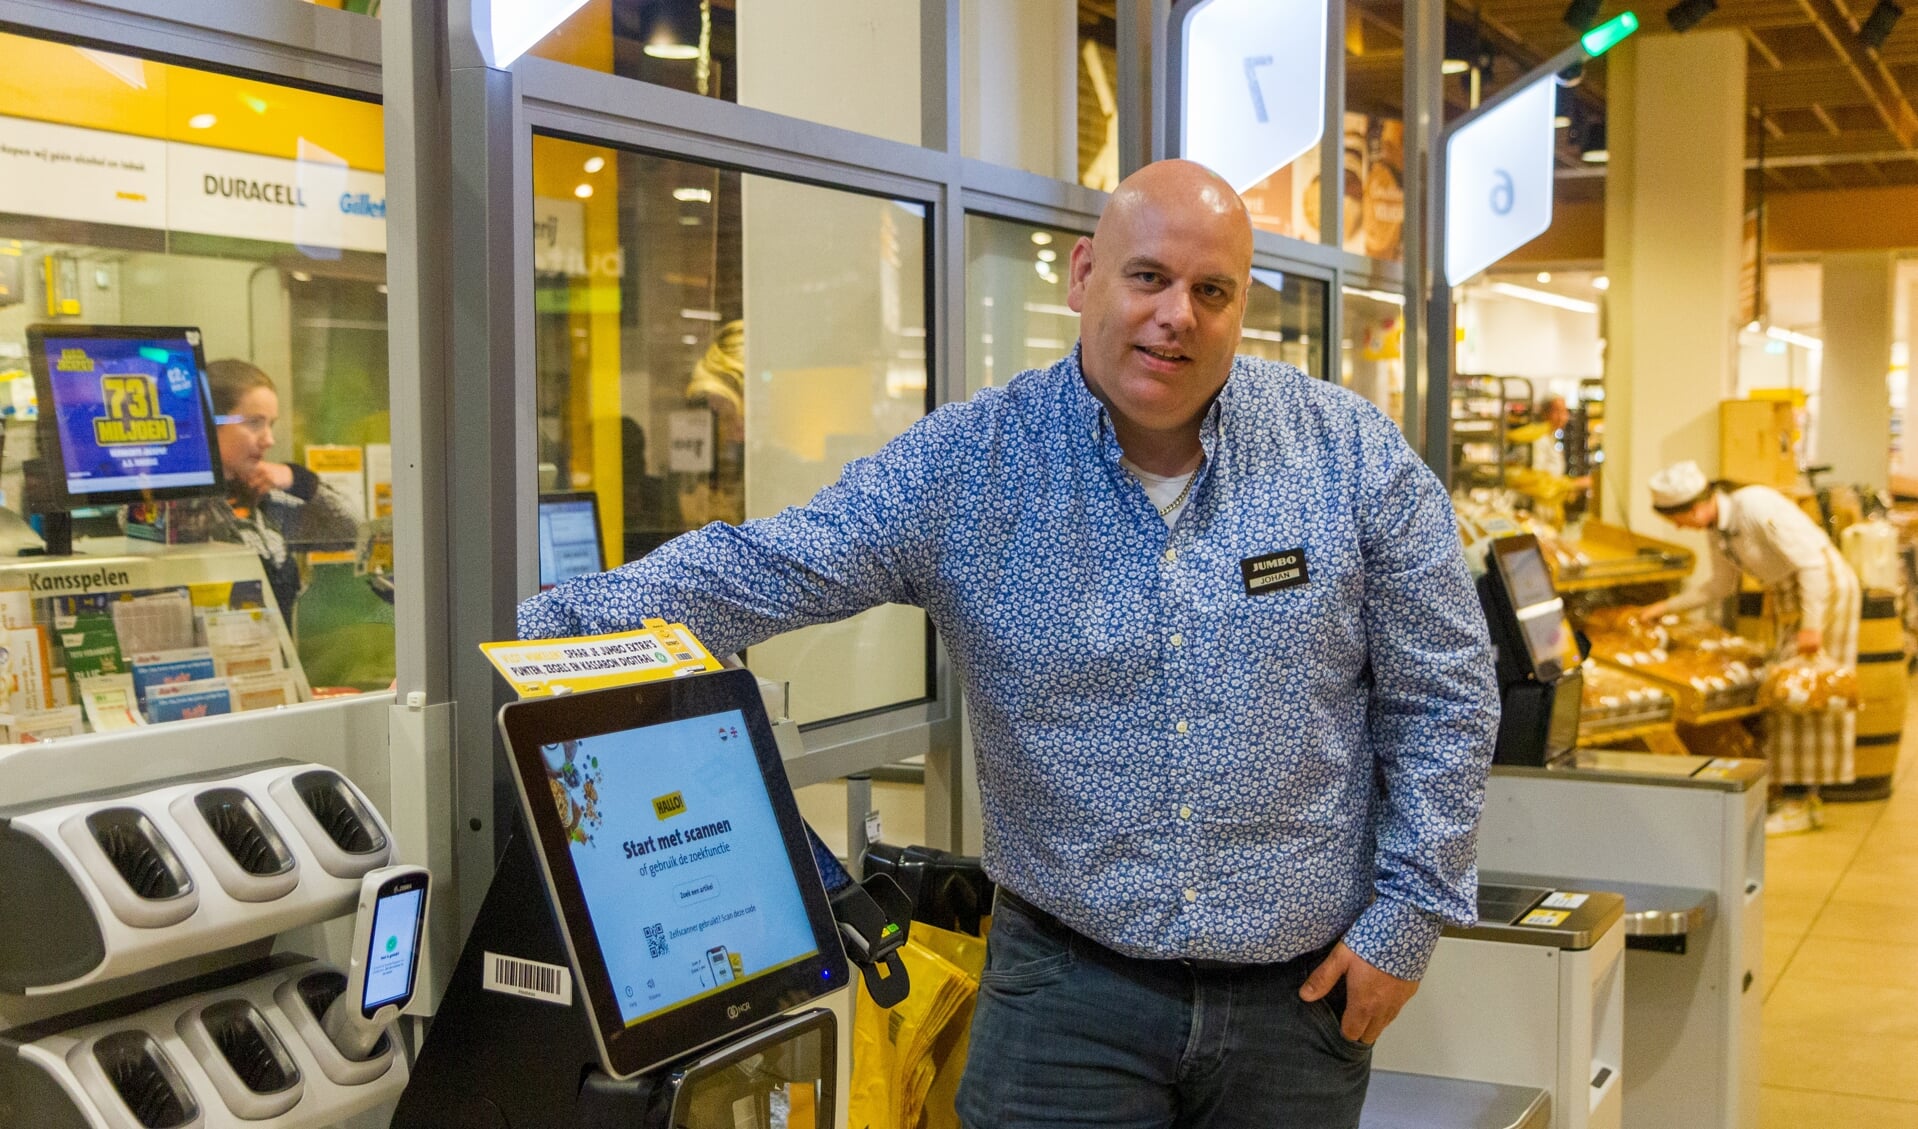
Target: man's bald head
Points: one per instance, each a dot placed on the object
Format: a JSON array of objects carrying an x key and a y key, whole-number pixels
[
  {"x": 1161, "y": 288},
  {"x": 1178, "y": 184}
]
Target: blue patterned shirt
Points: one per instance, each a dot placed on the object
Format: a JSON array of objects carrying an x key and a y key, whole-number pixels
[{"x": 1173, "y": 766}]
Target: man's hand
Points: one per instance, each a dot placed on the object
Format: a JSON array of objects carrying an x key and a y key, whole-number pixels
[
  {"x": 1373, "y": 996},
  {"x": 1650, "y": 613},
  {"x": 1809, "y": 641}
]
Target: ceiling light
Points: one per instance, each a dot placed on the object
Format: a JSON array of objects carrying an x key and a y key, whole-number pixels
[
  {"x": 1048, "y": 255},
  {"x": 1042, "y": 269},
  {"x": 594, "y": 164},
  {"x": 1454, "y": 66},
  {"x": 583, "y": 191},
  {"x": 1562, "y": 121},
  {"x": 1041, "y": 238},
  {"x": 1544, "y": 277},
  {"x": 253, "y": 102},
  {"x": 1684, "y": 15},
  {"x": 380, "y": 287},
  {"x": 669, "y": 29},
  {"x": 1877, "y": 26},
  {"x": 693, "y": 195},
  {"x": 1542, "y": 297},
  {"x": 1752, "y": 326},
  {"x": 1581, "y": 14},
  {"x": 1802, "y": 340},
  {"x": 301, "y": 276},
  {"x": 1601, "y": 283},
  {"x": 202, "y": 121}
]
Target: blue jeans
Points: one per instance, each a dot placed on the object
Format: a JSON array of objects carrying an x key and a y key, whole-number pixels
[{"x": 1068, "y": 1032}]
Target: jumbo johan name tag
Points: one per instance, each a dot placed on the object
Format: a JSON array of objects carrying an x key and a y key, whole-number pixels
[{"x": 1273, "y": 572}]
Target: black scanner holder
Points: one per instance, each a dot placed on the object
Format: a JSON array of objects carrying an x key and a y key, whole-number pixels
[{"x": 499, "y": 1061}]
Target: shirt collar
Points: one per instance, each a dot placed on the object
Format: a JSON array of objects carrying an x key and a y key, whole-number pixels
[{"x": 1091, "y": 418}]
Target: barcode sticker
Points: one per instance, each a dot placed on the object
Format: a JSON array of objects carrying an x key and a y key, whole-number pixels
[{"x": 528, "y": 978}]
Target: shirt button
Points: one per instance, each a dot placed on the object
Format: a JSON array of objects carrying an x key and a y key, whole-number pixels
[
  {"x": 1171, "y": 555},
  {"x": 1191, "y": 895},
  {"x": 1185, "y": 811},
  {"x": 1178, "y": 640},
  {"x": 1182, "y": 727}
]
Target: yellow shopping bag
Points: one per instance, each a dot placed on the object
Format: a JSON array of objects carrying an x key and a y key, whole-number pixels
[{"x": 906, "y": 1060}]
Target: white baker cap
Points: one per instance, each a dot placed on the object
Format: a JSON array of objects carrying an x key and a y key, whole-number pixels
[{"x": 1677, "y": 485}]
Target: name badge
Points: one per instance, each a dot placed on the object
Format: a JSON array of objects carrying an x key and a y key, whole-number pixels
[{"x": 1273, "y": 572}]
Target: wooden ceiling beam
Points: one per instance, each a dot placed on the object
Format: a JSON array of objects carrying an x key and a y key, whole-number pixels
[
  {"x": 1824, "y": 119},
  {"x": 1881, "y": 91},
  {"x": 1771, "y": 57}
]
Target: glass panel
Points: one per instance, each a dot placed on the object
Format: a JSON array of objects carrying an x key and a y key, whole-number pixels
[
  {"x": 716, "y": 346},
  {"x": 847, "y": 63},
  {"x": 1098, "y": 159},
  {"x": 1022, "y": 69},
  {"x": 139, "y": 193},
  {"x": 1016, "y": 313},
  {"x": 1371, "y": 356},
  {"x": 1285, "y": 320},
  {"x": 1374, "y": 136}
]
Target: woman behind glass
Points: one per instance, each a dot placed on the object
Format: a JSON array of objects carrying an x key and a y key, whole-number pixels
[{"x": 277, "y": 509}]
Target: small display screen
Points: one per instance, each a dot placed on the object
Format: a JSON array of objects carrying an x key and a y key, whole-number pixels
[
  {"x": 130, "y": 414},
  {"x": 1549, "y": 640},
  {"x": 569, "y": 543},
  {"x": 680, "y": 859},
  {"x": 393, "y": 948}
]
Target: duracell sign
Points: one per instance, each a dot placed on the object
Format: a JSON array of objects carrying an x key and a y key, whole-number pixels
[{"x": 258, "y": 191}]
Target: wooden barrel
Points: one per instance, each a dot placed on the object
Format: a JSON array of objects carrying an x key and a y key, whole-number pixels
[{"x": 1882, "y": 688}]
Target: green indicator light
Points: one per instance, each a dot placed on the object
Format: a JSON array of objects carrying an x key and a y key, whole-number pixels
[
  {"x": 1609, "y": 34},
  {"x": 157, "y": 356},
  {"x": 890, "y": 929}
]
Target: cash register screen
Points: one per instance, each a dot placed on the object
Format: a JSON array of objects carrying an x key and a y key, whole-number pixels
[
  {"x": 1549, "y": 641},
  {"x": 569, "y": 543},
  {"x": 677, "y": 858},
  {"x": 125, "y": 412}
]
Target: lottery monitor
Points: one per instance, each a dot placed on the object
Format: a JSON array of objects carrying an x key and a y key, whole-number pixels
[
  {"x": 125, "y": 413},
  {"x": 569, "y": 540},
  {"x": 675, "y": 860}
]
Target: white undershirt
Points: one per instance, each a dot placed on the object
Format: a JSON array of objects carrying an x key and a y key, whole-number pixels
[{"x": 1160, "y": 490}]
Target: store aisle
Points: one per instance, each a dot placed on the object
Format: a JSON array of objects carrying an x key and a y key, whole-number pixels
[{"x": 1841, "y": 965}]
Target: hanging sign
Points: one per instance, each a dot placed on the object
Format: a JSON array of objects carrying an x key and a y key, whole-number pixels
[
  {"x": 1254, "y": 86},
  {"x": 1498, "y": 182}
]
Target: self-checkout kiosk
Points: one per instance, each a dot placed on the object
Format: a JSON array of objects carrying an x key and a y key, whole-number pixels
[
  {"x": 1680, "y": 838},
  {"x": 658, "y": 947}
]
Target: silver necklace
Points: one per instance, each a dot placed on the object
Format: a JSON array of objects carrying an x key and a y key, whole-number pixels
[{"x": 1180, "y": 500}]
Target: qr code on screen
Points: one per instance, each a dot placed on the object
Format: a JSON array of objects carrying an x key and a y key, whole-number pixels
[{"x": 656, "y": 940}]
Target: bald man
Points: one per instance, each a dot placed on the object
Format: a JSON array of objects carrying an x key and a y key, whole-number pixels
[{"x": 1228, "y": 682}]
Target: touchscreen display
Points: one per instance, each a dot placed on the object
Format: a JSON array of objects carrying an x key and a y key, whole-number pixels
[
  {"x": 392, "y": 948},
  {"x": 1526, "y": 579},
  {"x": 129, "y": 414},
  {"x": 680, "y": 860},
  {"x": 1548, "y": 636}
]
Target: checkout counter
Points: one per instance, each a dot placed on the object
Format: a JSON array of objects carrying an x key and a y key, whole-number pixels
[
  {"x": 1680, "y": 838},
  {"x": 1519, "y": 1020},
  {"x": 1683, "y": 839}
]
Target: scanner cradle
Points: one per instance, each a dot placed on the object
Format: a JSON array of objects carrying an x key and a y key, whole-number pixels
[{"x": 608, "y": 979}]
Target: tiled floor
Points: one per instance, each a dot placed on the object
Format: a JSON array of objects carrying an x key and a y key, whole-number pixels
[{"x": 1841, "y": 965}]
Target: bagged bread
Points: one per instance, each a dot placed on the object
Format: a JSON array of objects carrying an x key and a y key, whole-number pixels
[{"x": 1809, "y": 685}]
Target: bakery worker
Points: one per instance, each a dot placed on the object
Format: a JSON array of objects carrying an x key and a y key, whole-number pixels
[
  {"x": 1548, "y": 450},
  {"x": 1229, "y": 683},
  {"x": 1757, "y": 530}
]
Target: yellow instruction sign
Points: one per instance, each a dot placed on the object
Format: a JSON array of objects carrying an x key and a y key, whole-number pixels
[{"x": 537, "y": 668}]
